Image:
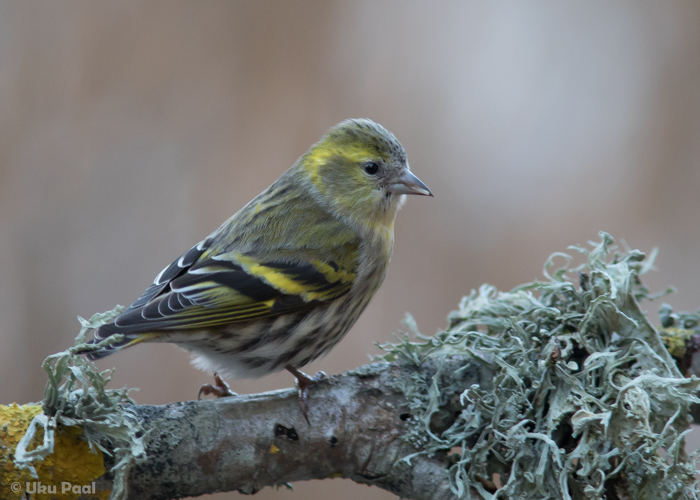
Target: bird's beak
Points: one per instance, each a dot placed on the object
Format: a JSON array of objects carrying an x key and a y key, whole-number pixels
[{"x": 404, "y": 182}]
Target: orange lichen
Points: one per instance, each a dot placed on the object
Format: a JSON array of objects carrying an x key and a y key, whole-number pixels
[{"x": 71, "y": 462}]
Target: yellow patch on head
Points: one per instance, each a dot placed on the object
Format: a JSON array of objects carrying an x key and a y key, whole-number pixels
[
  {"x": 274, "y": 449},
  {"x": 320, "y": 154}
]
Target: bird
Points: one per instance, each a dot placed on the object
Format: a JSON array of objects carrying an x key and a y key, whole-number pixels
[{"x": 281, "y": 282}]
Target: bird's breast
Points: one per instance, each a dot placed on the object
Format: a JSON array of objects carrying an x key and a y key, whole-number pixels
[{"x": 375, "y": 255}]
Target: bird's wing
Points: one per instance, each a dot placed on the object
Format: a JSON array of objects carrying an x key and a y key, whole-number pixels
[{"x": 203, "y": 289}]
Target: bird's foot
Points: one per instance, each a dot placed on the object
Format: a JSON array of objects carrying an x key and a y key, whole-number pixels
[
  {"x": 220, "y": 389},
  {"x": 303, "y": 382}
]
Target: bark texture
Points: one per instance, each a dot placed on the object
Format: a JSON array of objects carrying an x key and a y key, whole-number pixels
[{"x": 245, "y": 443}]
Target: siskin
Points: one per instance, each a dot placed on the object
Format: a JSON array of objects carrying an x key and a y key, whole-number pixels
[{"x": 282, "y": 281}]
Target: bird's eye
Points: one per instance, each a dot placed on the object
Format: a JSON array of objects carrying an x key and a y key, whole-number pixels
[{"x": 371, "y": 168}]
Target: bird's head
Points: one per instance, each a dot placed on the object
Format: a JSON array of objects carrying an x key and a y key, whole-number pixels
[{"x": 359, "y": 170}]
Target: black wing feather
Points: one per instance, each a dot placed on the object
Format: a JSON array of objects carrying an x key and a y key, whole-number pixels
[{"x": 179, "y": 296}]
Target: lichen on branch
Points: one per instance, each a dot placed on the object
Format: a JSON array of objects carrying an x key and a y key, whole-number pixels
[
  {"x": 77, "y": 403},
  {"x": 584, "y": 400}
]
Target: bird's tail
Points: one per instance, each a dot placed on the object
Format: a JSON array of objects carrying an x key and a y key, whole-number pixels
[{"x": 107, "y": 331}]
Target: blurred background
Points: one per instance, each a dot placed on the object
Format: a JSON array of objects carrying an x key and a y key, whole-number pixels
[{"x": 131, "y": 130}]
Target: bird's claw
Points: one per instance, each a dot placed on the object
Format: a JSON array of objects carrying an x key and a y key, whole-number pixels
[
  {"x": 303, "y": 382},
  {"x": 220, "y": 389}
]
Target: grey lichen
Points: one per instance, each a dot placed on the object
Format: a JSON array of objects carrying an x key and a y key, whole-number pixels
[
  {"x": 76, "y": 395},
  {"x": 585, "y": 403}
]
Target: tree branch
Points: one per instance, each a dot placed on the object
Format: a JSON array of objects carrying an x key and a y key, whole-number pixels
[{"x": 247, "y": 442}]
